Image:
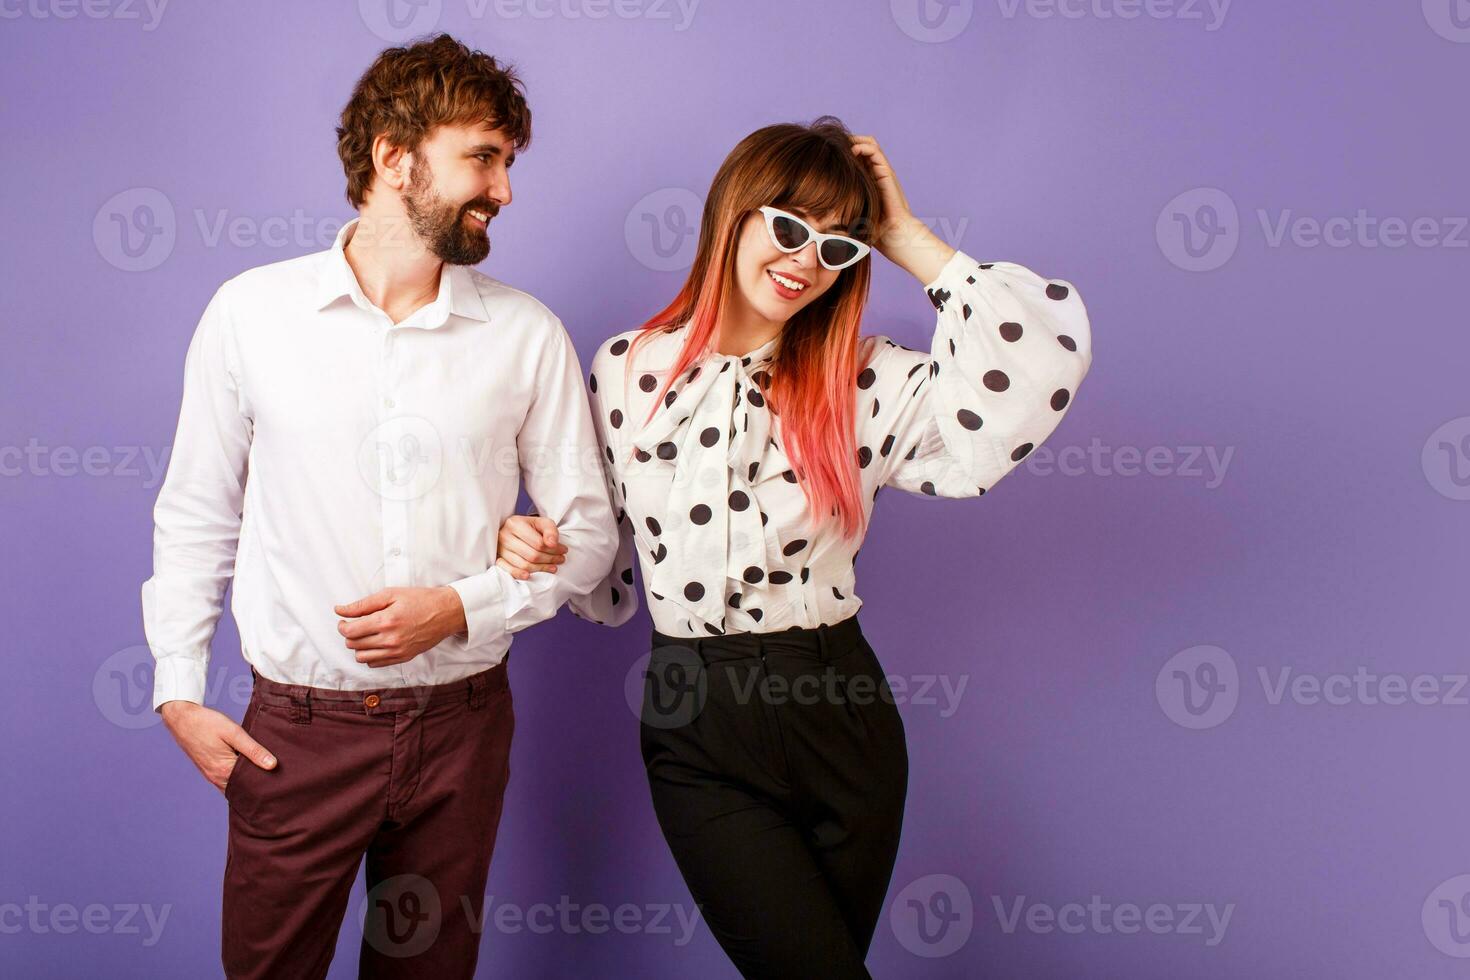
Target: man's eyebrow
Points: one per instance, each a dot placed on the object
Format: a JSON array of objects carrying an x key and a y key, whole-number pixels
[{"x": 493, "y": 149}]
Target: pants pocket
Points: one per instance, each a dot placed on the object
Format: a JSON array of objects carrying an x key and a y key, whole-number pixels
[{"x": 238, "y": 773}]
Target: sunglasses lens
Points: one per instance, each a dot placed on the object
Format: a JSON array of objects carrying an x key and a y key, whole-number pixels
[
  {"x": 836, "y": 252},
  {"x": 789, "y": 234}
]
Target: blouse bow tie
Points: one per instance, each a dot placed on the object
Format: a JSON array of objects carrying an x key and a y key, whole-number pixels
[{"x": 716, "y": 428}]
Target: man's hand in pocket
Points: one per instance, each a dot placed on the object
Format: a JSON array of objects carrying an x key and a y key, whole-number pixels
[{"x": 212, "y": 740}]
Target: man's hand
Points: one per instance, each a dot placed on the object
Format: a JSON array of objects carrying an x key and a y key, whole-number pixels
[
  {"x": 392, "y": 626},
  {"x": 529, "y": 544},
  {"x": 212, "y": 740}
]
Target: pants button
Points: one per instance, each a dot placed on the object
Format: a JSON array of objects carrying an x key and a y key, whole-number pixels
[{"x": 371, "y": 701}]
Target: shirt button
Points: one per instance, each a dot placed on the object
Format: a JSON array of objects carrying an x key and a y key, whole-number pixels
[
  {"x": 388, "y": 403},
  {"x": 395, "y": 553},
  {"x": 371, "y": 701}
]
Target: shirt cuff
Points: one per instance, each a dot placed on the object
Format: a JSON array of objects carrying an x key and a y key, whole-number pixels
[
  {"x": 959, "y": 267},
  {"x": 178, "y": 679},
  {"x": 483, "y": 597}
]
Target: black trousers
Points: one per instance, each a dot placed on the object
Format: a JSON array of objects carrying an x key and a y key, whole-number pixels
[{"x": 778, "y": 768}]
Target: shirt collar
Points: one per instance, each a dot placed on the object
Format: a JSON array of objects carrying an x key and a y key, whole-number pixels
[{"x": 457, "y": 295}]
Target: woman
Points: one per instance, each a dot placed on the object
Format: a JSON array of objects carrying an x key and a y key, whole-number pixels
[{"x": 747, "y": 430}]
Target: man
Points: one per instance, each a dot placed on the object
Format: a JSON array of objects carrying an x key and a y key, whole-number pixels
[{"x": 356, "y": 421}]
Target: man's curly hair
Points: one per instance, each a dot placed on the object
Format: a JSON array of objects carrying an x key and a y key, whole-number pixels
[{"x": 412, "y": 89}]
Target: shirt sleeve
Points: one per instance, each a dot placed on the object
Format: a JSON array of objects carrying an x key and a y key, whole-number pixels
[
  {"x": 197, "y": 516},
  {"x": 1010, "y": 349},
  {"x": 555, "y": 448},
  {"x": 614, "y": 600}
]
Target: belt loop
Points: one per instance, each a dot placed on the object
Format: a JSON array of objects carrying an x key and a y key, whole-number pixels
[
  {"x": 300, "y": 705},
  {"x": 822, "y": 644},
  {"x": 477, "y": 691}
]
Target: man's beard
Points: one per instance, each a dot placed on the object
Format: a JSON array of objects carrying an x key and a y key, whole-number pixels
[{"x": 441, "y": 226}]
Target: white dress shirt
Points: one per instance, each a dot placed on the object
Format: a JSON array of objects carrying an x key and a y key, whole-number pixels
[
  {"x": 707, "y": 496},
  {"x": 377, "y": 454}
]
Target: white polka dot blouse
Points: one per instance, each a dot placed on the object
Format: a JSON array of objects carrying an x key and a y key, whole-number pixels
[{"x": 708, "y": 500}]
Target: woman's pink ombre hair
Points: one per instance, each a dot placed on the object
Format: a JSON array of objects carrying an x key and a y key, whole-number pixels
[{"x": 810, "y": 169}]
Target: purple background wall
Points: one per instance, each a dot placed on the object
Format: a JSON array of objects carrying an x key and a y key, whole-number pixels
[{"x": 1264, "y": 481}]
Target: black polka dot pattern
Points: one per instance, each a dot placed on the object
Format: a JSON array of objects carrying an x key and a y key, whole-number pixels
[{"x": 1008, "y": 353}]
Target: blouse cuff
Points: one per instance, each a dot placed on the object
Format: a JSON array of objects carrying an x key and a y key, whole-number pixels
[{"x": 957, "y": 270}]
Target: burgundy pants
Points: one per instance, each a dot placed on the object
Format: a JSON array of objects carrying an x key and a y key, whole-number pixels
[{"x": 412, "y": 778}]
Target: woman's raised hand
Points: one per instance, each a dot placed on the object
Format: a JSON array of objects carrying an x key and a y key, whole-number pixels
[{"x": 903, "y": 239}]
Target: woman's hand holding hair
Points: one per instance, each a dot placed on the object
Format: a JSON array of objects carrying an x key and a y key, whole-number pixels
[{"x": 905, "y": 240}]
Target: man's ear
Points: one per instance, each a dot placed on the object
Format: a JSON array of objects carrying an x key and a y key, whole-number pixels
[{"x": 391, "y": 163}]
